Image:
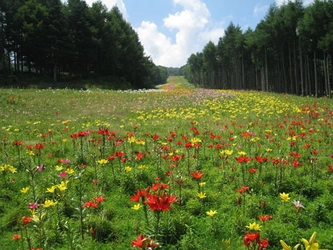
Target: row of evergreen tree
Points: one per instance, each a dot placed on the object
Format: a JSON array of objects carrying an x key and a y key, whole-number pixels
[
  {"x": 48, "y": 37},
  {"x": 290, "y": 51}
]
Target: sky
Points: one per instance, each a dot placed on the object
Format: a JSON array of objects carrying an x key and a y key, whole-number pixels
[{"x": 171, "y": 30}]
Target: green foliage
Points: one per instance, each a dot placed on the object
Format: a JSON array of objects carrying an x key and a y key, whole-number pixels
[
  {"x": 289, "y": 52},
  {"x": 53, "y": 41}
]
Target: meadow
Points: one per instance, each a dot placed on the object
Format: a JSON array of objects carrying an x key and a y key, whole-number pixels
[{"x": 178, "y": 167}]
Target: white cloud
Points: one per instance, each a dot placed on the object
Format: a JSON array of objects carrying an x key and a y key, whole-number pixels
[
  {"x": 191, "y": 26},
  {"x": 260, "y": 9},
  {"x": 280, "y": 2},
  {"x": 308, "y": 2},
  {"x": 192, "y": 34},
  {"x": 156, "y": 44},
  {"x": 212, "y": 34}
]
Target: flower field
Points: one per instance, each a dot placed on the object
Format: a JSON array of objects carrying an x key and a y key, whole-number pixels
[{"x": 176, "y": 168}]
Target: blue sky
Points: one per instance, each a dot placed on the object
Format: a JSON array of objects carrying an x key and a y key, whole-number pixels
[{"x": 171, "y": 30}]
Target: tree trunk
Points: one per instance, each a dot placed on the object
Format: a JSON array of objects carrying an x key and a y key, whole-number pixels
[
  {"x": 301, "y": 66},
  {"x": 328, "y": 76},
  {"x": 256, "y": 73},
  {"x": 9, "y": 63},
  {"x": 331, "y": 84},
  {"x": 325, "y": 74},
  {"x": 55, "y": 73},
  {"x": 15, "y": 62},
  {"x": 290, "y": 70},
  {"x": 307, "y": 76},
  {"x": 266, "y": 70},
  {"x": 284, "y": 73},
  {"x": 315, "y": 72},
  {"x": 263, "y": 79},
  {"x": 296, "y": 88},
  {"x": 310, "y": 77},
  {"x": 243, "y": 77}
]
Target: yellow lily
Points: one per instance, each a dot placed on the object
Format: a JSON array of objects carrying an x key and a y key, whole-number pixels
[
  {"x": 201, "y": 195},
  {"x": 312, "y": 244},
  {"x": 51, "y": 189},
  {"x": 70, "y": 171},
  {"x": 284, "y": 197},
  {"x": 211, "y": 213},
  {"x": 254, "y": 226},
  {"x": 62, "y": 186},
  {"x": 136, "y": 207},
  {"x": 128, "y": 169},
  {"x": 49, "y": 203},
  {"x": 102, "y": 161},
  {"x": 59, "y": 168},
  {"x": 25, "y": 190},
  {"x": 286, "y": 247}
]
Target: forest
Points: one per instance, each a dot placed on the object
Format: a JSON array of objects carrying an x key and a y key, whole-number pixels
[
  {"x": 290, "y": 51},
  {"x": 72, "y": 41}
]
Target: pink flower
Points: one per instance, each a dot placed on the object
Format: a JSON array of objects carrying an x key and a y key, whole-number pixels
[
  {"x": 40, "y": 168},
  {"x": 66, "y": 161},
  {"x": 298, "y": 205},
  {"x": 63, "y": 174},
  {"x": 33, "y": 205}
]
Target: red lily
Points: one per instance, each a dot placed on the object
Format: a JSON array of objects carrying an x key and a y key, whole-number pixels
[
  {"x": 251, "y": 237},
  {"x": 260, "y": 159},
  {"x": 242, "y": 189},
  {"x": 26, "y": 220},
  {"x": 90, "y": 204},
  {"x": 155, "y": 137},
  {"x": 243, "y": 158},
  {"x": 144, "y": 242},
  {"x": 139, "y": 155},
  {"x": 263, "y": 218},
  {"x": 263, "y": 244},
  {"x": 160, "y": 203},
  {"x": 99, "y": 199},
  {"x": 140, "y": 193},
  {"x": 197, "y": 175},
  {"x": 104, "y": 131},
  {"x": 139, "y": 241}
]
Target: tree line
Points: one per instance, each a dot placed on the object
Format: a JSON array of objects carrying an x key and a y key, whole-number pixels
[
  {"x": 290, "y": 51},
  {"x": 73, "y": 40}
]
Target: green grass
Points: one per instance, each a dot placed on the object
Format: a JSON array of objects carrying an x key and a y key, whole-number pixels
[{"x": 177, "y": 132}]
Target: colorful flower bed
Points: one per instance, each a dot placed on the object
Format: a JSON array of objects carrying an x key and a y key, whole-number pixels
[{"x": 183, "y": 168}]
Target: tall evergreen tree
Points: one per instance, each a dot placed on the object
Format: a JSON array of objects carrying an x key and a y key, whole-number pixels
[
  {"x": 99, "y": 18},
  {"x": 32, "y": 15},
  {"x": 12, "y": 34},
  {"x": 128, "y": 53},
  {"x": 79, "y": 34},
  {"x": 195, "y": 62},
  {"x": 210, "y": 64},
  {"x": 55, "y": 38},
  {"x": 229, "y": 52},
  {"x": 313, "y": 29}
]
